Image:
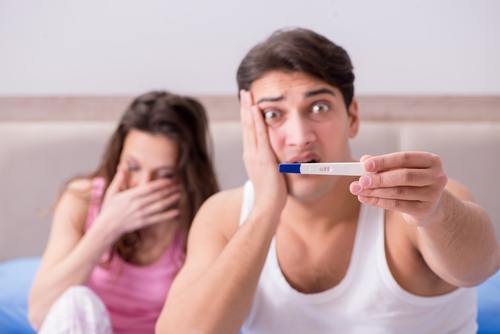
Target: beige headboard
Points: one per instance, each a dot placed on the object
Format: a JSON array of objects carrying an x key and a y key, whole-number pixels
[{"x": 46, "y": 140}]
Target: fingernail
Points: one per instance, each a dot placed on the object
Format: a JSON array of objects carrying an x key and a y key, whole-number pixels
[
  {"x": 370, "y": 166},
  {"x": 355, "y": 188},
  {"x": 365, "y": 181}
]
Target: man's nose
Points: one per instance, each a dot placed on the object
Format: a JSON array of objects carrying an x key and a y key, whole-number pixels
[{"x": 299, "y": 132}]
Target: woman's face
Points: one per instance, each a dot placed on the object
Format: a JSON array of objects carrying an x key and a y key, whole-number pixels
[{"x": 148, "y": 157}]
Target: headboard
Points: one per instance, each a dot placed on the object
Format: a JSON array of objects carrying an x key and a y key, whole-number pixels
[{"x": 44, "y": 141}]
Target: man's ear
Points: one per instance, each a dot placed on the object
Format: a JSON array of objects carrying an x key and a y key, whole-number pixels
[{"x": 353, "y": 118}]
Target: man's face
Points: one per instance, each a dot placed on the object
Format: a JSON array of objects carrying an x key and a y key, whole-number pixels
[{"x": 307, "y": 121}]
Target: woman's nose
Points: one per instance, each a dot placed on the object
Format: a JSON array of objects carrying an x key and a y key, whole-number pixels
[{"x": 142, "y": 178}]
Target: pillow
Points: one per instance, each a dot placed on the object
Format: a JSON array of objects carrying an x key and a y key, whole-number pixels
[
  {"x": 488, "y": 302},
  {"x": 16, "y": 277}
]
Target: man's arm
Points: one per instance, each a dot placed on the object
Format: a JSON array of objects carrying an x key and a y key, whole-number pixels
[
  {"x": 454, "y": 235},
  {"x": 214, "y": 290},
  {"x": 459, "y": 243}
]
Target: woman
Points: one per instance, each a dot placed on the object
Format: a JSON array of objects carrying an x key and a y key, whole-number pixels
[{"x": 118, "y": 236}]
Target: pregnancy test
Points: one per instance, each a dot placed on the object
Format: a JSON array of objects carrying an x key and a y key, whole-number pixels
[{"x": 324, "y": 168}]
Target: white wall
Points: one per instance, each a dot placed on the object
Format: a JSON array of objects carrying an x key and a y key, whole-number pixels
[{"x": 127, "y": 47}]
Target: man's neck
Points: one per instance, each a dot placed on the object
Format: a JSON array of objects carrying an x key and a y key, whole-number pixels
[{"x": 335, "y": 207}]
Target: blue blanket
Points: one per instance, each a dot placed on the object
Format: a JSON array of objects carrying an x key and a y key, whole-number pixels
[{"x": 16, "y": 277}]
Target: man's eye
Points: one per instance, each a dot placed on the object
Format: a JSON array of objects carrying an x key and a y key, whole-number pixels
[
  {"x": 271, "y": 114},
  {"x": 318, "y": 108}
]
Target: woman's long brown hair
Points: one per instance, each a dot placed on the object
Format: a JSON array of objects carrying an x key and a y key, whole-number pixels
[{"x": 183, "y": 120}]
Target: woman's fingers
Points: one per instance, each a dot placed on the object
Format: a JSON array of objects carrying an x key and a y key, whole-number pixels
[
  {"x": 119, "y": 182},
  {"x": 160, "y": 217},
  {"x": 150, "y": 187},
  {"x": 157, "y": 195},
  {"x": 161, "y": 204},
  {"x": 156, "y": 207}
]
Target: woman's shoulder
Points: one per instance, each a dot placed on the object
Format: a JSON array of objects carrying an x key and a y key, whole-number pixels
[
  {"x": 79, "y": 189},
  {"x": 83, "y": 184},
  {"x": 75, "y": 200}
]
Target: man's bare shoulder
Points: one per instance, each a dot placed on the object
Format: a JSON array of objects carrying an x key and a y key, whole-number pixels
[{"x": 222, "y": 211}]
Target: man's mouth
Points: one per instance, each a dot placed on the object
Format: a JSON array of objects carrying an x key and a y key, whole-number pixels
[
  {"x": 304, "y": 158},
  {"x": 305, "y": 161}
]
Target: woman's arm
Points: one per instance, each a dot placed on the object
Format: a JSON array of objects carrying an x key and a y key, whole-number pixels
[{"x": 70, "y": 254}]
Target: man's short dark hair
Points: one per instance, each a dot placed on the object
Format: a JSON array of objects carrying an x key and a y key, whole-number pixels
[{"x": 299, "y": 50}]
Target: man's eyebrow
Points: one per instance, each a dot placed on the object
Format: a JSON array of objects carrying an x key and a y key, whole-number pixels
[
  {"x": 306, "y": 94},
  {"x": 319, "y": 91},
  {"x": 270, "y": 99}
]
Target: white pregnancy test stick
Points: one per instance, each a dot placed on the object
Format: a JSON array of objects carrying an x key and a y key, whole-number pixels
[{"x": 324, "y": 168}]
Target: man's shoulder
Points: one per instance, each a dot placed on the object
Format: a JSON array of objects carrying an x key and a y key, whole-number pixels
[
  {"x": 225, "y": 200},
  {"x": 222, "y": 211}
]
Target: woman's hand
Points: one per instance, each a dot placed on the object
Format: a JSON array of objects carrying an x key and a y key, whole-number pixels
[
  {"x": 124, "y": 210},
  {"x": 260, "y": 161}
]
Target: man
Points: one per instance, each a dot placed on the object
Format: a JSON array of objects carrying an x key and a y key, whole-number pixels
[{"x": 390, "y": 252}]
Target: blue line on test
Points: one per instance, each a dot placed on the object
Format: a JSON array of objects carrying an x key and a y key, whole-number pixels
[{"x": 289, "y": 168}]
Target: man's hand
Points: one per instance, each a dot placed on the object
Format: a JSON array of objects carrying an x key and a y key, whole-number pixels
[
  {"x": 412, "y": 183},
  {"x": 260, "y": 161}
]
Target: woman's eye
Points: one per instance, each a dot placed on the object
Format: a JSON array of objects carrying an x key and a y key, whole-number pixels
[
  {"x": 164, "y": 175},
  {"x": 318, "y": 108}
]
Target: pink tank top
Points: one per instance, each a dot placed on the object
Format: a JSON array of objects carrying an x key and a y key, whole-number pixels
[{"x": 134, "y": 295}]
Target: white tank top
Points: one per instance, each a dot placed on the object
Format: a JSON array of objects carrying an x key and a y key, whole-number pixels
[{"x": 367, "y": 300}]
